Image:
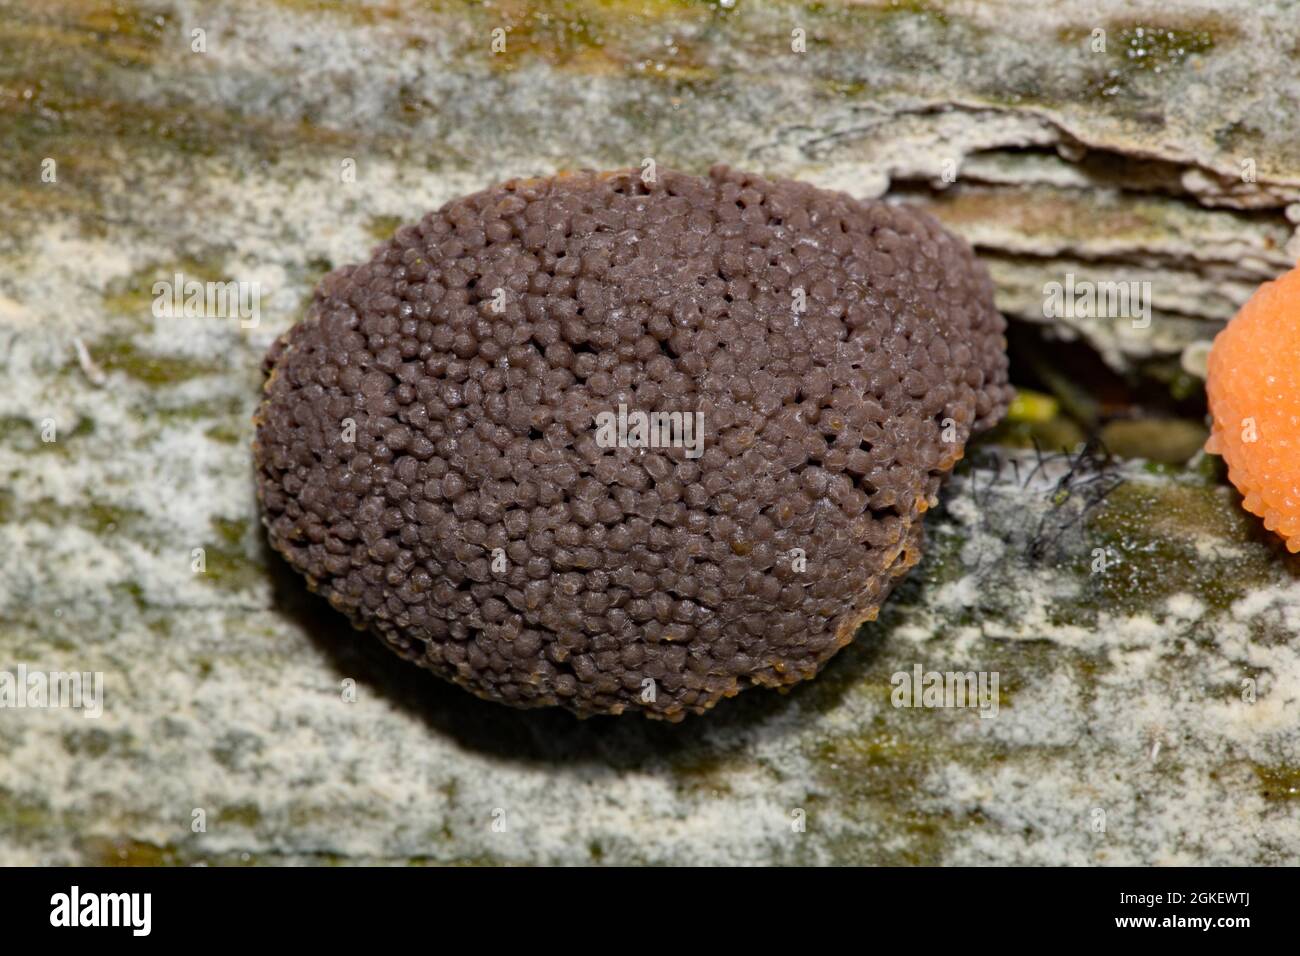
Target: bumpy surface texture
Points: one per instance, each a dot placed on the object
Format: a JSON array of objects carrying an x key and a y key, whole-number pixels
[
  {"x": 1253, "y": 385},
  {"x": 473, "y": 354}
]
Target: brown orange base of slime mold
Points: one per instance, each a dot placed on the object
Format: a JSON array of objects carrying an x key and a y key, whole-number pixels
[{"x": 1253, "y": 383}]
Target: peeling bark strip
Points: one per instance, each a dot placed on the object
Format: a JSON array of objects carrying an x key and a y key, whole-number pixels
[{"x": 1127, "y": 142}]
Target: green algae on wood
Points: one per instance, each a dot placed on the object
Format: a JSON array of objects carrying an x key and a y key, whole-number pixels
[{"x": 121, "y": 353}]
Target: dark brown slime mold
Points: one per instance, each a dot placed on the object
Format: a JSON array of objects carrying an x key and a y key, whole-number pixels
[{"x": 429, "y": 455}]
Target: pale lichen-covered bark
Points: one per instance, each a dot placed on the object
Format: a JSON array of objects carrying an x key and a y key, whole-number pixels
[{"x": 1122, "y": 607}]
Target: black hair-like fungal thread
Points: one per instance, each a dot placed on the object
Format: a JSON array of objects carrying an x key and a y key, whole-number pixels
[{"x": 428, "y": 452}]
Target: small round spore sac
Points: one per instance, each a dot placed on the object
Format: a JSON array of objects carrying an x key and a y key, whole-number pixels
[
  {"x": 449, "y": 447},
  {"x": 1253, "y": 385}
]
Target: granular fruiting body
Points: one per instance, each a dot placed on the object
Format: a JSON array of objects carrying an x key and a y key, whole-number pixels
[
  {"x": 1253, "y": 384},
  {"x": 428, "y": 454}
]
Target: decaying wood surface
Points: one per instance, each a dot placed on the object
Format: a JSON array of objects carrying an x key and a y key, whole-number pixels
[{"x": 1141, "y": 625}]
